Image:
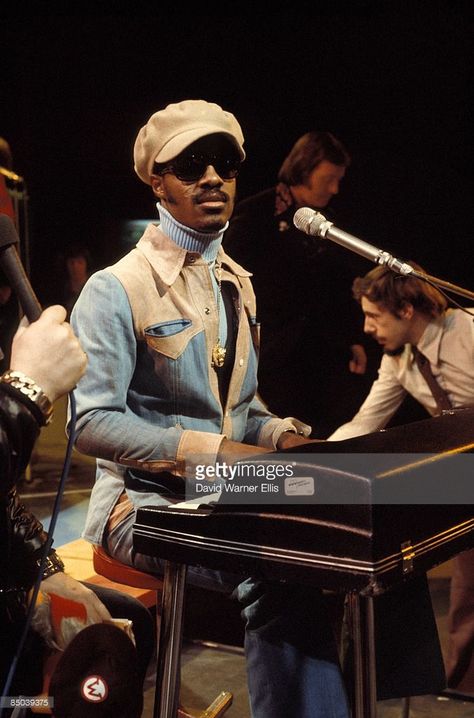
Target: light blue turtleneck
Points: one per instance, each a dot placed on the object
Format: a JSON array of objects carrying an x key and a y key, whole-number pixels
[{"x": 206, "y": 244}]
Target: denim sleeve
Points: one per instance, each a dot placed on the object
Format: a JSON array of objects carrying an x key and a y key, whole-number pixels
[
  {"x": 258, "y": 416},
  {"x": 106, "y": 427}
]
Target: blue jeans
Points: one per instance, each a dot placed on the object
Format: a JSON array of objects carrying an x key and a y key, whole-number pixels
[{"x": 292, "y": 662}]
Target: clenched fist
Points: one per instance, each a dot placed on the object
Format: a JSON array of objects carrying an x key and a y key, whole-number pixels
[{"x": 49, "y": 352}]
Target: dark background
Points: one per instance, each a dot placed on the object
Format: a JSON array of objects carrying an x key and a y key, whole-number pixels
[{"x": 391, "y": 79}]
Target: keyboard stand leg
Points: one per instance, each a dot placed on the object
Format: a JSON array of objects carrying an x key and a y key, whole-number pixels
[
  {"x": 169, "y": 649},
  {"x": 361, "y": 610}
]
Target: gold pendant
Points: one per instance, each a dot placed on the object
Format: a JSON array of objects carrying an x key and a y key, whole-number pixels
[{"x": 218, "y": 354}]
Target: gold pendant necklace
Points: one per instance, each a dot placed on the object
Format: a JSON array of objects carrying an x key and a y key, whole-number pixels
[
  {"x": 218, "y": 351},
  {"x": 218, "y": 354}
]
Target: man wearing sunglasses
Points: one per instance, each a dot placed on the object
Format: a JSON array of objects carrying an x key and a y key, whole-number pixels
[{"x": 171, "y": 335}]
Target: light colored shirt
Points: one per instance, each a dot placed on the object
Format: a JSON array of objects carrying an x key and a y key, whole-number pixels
[{"x": 448, "y": 344}]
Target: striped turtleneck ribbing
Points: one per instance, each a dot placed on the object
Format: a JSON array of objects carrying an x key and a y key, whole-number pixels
[{"x": 205, "y": 243}]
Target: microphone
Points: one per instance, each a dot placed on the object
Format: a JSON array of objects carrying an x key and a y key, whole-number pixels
[
  {"x": 315, "y": 224},
  {"x": 11, "y": 264}
]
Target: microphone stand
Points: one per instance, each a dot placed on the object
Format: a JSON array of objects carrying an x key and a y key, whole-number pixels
[{"x": 445, "y": 285}]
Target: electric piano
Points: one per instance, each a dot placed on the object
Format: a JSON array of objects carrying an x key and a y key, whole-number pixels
[
  {"x": 355, "y": 516},
  {"x": 382, "y": 506}
]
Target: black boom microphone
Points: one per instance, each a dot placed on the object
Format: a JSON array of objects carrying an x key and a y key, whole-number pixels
[{"x": 11, "y": 264}]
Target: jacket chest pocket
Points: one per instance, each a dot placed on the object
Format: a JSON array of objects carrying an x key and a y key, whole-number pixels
[{"x": 171, "y": 337}]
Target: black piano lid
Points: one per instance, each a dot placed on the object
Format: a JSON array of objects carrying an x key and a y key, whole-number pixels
[{"x": 366, "y": 546}]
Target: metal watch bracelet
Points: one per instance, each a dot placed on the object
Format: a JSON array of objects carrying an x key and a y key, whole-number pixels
[
  {"x": 23, "y": 387},
  {"x": 53, "y": 564}
]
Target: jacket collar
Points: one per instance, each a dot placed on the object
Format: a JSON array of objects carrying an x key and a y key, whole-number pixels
[{"x": 168, "y": 259}]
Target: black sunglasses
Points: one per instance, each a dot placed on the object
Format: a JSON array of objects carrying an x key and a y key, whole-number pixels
[{"x": 191, "y": 167}]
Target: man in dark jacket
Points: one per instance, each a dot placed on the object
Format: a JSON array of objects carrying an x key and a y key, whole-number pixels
[
  {"x": 46, "y": 362},
  {"x": 312, "y": 355}
]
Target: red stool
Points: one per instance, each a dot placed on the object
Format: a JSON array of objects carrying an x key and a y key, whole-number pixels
[
  {"x": 118, "y": 572},
  {"x": 110, "y": 568}
]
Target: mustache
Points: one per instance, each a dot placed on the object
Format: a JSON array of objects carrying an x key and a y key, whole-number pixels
[{"x": 214, "y": 195}]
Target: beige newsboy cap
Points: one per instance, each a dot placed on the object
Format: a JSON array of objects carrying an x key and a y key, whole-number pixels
[{"x": 168, "y": 132}]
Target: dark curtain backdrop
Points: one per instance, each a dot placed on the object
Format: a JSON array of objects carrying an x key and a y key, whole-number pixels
[{"x": 390, "y": 79}]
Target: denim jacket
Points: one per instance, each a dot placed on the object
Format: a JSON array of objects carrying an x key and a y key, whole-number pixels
[{"x": 149, "y": 400}]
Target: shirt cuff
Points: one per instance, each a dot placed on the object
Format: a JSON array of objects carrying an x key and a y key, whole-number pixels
[
  {"x": 196, "y": 448},
  {"x": 274, "y": 428}
]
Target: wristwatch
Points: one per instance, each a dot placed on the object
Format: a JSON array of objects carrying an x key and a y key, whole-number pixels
[
  {"x": 21, "y": 386},
  {"x": 52, "y": 565}
]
